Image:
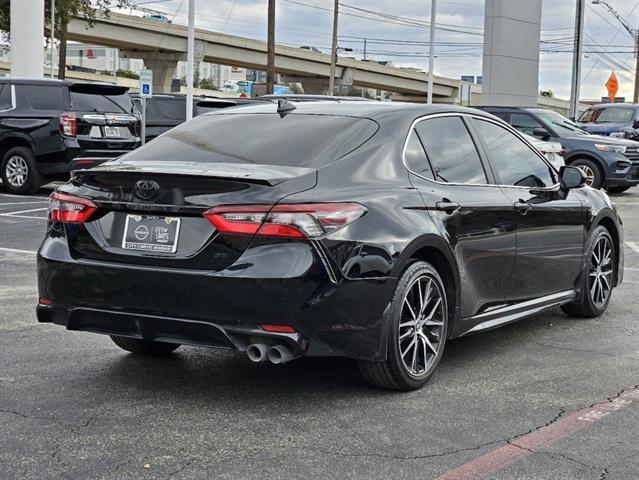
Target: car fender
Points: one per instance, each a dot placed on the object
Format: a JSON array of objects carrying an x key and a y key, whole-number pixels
[{"x": 574, "y": 155}]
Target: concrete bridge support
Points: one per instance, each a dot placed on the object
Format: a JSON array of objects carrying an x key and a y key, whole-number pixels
[
  {"x": 164, "y": 66},
  {"x": 27, "y": 49}
]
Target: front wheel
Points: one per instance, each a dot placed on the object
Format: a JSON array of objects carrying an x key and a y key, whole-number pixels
[
  {"x": 144, "y": 347},
  {"x": 594, "y": 176},
  {"x": 598, "y": 278},
  {"x": 417, "y": 332}
]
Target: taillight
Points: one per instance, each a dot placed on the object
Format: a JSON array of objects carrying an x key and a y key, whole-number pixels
[
  {"x": 70, "y": 209},
  {"x": 308, "y": 220},
  {"x": 68, "y": 124}
]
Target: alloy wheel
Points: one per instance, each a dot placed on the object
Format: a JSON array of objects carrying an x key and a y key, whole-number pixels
[
  {"x": 590, "y": 174},
  {"x": 601, "y": 270},
  {"x": 17, "y": 171},
  {"x": 420, "y": 326}
]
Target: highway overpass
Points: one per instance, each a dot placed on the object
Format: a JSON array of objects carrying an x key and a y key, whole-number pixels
[{"x": 161, "y": 45}]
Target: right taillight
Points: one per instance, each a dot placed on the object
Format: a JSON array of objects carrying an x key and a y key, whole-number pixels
[
  {"x": 69, "y": 208},
  {"x": 68, "y": 124},
  {"x": 307, "y": 220}
]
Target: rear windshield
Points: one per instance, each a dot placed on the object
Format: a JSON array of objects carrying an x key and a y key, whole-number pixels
[
  {"x": 607, "y": 115},
  {"x": 298, "y": 140},
  {"x": 162, "y": 109},
  {"x": 104, "y": 101}
]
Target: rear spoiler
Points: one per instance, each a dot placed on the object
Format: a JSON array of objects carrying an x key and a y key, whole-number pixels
[{"x": 82, "y": 163}]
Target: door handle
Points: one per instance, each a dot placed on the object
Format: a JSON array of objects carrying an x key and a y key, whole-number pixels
[
  {"x": 447, "y": 206},
  {"x": 523, "y": 207}
]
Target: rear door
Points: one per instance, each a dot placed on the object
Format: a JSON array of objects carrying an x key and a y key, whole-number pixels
[
  {"x": 470, "y": 211},
  {"x": 550, "y": 225}
]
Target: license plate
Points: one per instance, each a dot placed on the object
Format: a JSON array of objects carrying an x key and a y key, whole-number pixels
[
  {"x": 112, "y": 132},
  {"x": 151, "y": 233}
]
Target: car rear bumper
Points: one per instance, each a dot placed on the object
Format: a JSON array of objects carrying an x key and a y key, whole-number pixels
[{"x": 219, "y": 309}]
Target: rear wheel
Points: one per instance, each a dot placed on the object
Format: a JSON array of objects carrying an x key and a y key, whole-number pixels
[
  {"x": 19, "y": 171},
  {"x": 617, "y": 189},
  {"x": 144, "y": 347},
  {"x": 597, "y": 281},
  {"x": 594, "y": 176},
  {"x": 417, "y": 332}
]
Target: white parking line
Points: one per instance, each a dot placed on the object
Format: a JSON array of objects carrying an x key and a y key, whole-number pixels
[
  {"x": 20, "y": 196},
  {"x": 7, "y": 215},
  {"x": 4, "y": 204},
  {"x": 633, "y": 245},
  {"x": 15, "y": 250},
  {"x": 20, "y": 212}
]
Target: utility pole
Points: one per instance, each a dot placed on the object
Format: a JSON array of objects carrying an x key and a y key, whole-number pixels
[
  {"x": 270, "y": 55},
  {"x": 52, "y": 32},
  {"x": 634, "y": 33},
  {"x": 190, "y": 57},
  {"x": 576, "y": 58},
  {"x": 431, "y": 53},
  {"x": 364, "y": 48},
  {"x": 331, "y": 78}
]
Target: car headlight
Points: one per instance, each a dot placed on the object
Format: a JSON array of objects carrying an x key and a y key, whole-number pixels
[
  {"x": 606, "y": 147},
  {"x": 618, "y": 134}
]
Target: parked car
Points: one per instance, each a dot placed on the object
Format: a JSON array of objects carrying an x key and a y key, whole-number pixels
[
  {"x": 46, "y": 124},
  {"x": 618, "y": 120},
  {"x": 610, "y": 163},
  {"x": 165, "y": 111},
  {"x": 553, "y": 151},
  {"x": 367, "y": 230}
]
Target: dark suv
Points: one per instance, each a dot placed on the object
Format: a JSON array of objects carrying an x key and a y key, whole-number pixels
[
  {"x": 617, "y": 120},
  {"x": 46, "y": 124},
  {"x": 612, "y": 163}
]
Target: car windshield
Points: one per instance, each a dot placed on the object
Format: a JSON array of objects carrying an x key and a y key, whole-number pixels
[
  {"x": 607, "y": 115},
  {"x": 300, "y": 140},
  {"x": 560, "y": 124}
]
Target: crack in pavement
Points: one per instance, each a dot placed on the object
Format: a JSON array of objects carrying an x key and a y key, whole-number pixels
[{"x": 581, "y": 350}]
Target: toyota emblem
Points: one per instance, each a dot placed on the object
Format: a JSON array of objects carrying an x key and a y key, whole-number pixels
[{"x": 146, "y": 189}]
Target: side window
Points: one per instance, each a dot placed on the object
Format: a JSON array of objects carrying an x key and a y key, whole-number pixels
[
  {"x": 514, "y": 162},
  {"x": 45, "y": 97},
  {"x": 451, "y": 150},
  {"x": 416, "y": 159},
  {"x": 524, "y": 122},
  {"x": 5, "y": 97},
  {"x": 502, "y": 115}
]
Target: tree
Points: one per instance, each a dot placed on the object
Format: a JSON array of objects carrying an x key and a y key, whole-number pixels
[{"x": 65, "y": 10}]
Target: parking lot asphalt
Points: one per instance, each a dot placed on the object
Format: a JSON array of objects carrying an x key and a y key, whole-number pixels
[{"x": 550, "y": 397}]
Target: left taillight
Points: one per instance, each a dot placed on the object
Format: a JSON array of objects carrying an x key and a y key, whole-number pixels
[
  {"x": 68, "y": 124},
  {"x": 69, "y": 208},
  {"x": 308, "y": 220}
]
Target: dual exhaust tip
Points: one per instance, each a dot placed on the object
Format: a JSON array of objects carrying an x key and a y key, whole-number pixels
[{"x": 259, "y": 352}]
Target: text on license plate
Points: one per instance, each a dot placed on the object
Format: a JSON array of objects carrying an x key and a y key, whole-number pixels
[{"x": 151, "y": 233}]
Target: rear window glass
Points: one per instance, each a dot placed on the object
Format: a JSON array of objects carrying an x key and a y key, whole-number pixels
[
  {"x": 45, "y": 97},
  {"x": 299, "y": 140},
  {"x": 101, "y": 102},
  {"x": 5, "y": 97},
  {"x": 162, "y": 109}
]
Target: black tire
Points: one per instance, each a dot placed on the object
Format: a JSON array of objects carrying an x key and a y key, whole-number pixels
[
  {"x": 585, "y": 306},
  {"x": 144, "y": 347},
  {"x": 617, "y": 189},
  {"x": 20, "y": 157},
  {"x": 393, "y": 373},
  {"x": 592, "y": 171}
]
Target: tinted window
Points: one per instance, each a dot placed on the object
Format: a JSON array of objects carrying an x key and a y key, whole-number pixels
[
  {"x": 295, "y": 140},
  {"x": 451, "y": 151},
  {"x": 524, "y": 122},
  {"x": 45, "y": 97},
  {"x": 560, "y": 124},
  {"x": 416, "y": 159},
  {"x": 608, "y": 115},
  {"x": 514, "y": 162},
  {"x": 166, "y": 109},
  {"x": 88, "y": 100},
  {"x": 5, "y": 97}
]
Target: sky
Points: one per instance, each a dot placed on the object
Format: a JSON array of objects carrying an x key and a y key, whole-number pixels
[{"x": 397, "y": 30}]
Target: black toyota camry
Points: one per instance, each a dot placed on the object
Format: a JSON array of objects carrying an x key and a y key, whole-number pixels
[{"x": 374, "y": 231}]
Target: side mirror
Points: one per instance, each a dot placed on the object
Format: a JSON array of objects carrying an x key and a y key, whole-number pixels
[
  {"x": 541, "y": 132},
  {"x": 571, "y": 177},
  {"x": 635, "y": 124}
]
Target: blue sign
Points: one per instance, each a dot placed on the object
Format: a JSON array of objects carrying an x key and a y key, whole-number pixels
[{"x": 146, "y": 89}]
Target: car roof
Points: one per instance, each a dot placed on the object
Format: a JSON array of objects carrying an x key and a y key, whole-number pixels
[
  {"x": 606, "y": 105},
  {"x": 313, "y": 98},
  {"x": 56, "y": 81},
  {"x": 370, "y": 109}
]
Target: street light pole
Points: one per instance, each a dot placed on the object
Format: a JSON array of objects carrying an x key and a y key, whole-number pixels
[
  {"x": 52, "y": 32},
  {"x": 190, "y": 56},
  {"x": 431, "y": 53},
  {"x": 270, "y": 47},
  {"x": 576, "y": 59},
  {"x": 331, "y": 78}
]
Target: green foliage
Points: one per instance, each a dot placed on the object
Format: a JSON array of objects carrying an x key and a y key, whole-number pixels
[{"x": 127, "y": 74}]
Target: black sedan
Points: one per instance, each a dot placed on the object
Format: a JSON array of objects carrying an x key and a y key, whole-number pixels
[{"x": 358, "y": 229}]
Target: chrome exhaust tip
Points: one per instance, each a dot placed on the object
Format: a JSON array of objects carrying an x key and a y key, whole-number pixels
[
  {"x": 257, "y": 352},
  {"x": 279, "y": 354}
]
